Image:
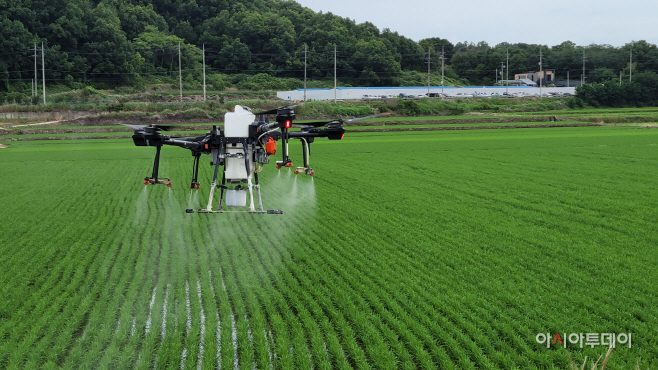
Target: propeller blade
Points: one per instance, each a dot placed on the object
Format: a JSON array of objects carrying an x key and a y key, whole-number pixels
[
  {"x": 271, "y": 111},
  {"x": 164, "y": 127},
  {"x": 320, "y": 123},
  {"x": 152, "y": 126},
  {"x": 276, "y": 110},
  {"x": 340, "y": 121},
  {"x": 367, "y": 117},
  {"x": 134, "y": 127}
]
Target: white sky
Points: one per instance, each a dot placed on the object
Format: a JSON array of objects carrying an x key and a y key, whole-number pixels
[{"x": 538, "y": 22}]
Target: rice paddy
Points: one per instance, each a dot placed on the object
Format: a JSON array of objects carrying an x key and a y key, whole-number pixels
[{"x": 433, "y": 249}]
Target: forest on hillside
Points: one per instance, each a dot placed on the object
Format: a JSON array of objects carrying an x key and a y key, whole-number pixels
[{"x": 113, "y": 43}]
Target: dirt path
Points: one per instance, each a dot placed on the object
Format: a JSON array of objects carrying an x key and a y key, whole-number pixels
[{"x": 36, "y": 124}]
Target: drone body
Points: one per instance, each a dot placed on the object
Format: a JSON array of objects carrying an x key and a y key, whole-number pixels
[{"x": 241, "y": 149}]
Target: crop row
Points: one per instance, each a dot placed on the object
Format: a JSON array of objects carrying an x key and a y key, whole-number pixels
[{"x": 423, "y": 250}]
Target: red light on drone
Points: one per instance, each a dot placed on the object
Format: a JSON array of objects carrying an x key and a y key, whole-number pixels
[
  {"x": 288, "y": 124},
  {"x": 342, "y": 136}
]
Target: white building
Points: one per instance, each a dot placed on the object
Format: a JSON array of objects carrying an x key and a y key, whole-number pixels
[{"x": 359, "y": 93}]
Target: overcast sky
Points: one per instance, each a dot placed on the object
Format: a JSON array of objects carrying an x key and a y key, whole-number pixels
[{"x": 538, "y": 22}]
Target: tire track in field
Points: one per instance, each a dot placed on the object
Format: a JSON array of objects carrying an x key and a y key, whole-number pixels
[
  {"x": 150, "y": 280},
  {"x": 201, "y": 255},
  {"x": 303, "y": 195},
  {"x": 218, "y": 329},
  {"x": 163, "y": 326},
  {"x": 127, "y": 311},
  {"x": 188, "y": 324},
  {"x": 134, "y": 308},
  {"x": 359, "y": 357},
  {"x": 259, "y": 262},
  {"x": 286, "y": 309},
  {"x": 203, "y": 327},
  {"x": 235, "y": 237}
]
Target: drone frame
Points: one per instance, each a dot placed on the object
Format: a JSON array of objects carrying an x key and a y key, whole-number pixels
[{"x": 254, "y": 152}]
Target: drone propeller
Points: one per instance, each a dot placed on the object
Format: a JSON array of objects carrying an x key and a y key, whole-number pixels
[
  {"x": 366, "y": 117},
  {"x": 341, "y": 121},
  {"x": 152, "y": 126},
  {"x": 275, "y": 110}
]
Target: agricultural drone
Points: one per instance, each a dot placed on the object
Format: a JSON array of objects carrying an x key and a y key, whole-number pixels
[{"x": 242, "y": 148}]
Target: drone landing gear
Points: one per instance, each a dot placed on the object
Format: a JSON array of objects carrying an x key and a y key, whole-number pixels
[
  {"x": 306, "y": 152},
  {"x": 203, "y": 210},
  {"x": 234, "y": 199},
  {"x": 154, "y": 176},
  {"x": 195, "y": 173}
]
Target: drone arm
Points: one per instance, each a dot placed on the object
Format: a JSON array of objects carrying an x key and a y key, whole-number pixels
[
  {"x": 332, "y": 133},
  {"x": 187, "y": 143}
]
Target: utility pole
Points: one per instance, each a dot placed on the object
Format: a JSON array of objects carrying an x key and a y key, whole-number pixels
[
  {"x": 567, "y": 78},
  {"x": 428, "y": 71},
  {"x": 630, "y": 67},
  {"x": 35, "y": 92},
  {"x": 204, "y": 72},
  {"x": 335, "y": 87},
  {"x": 582, "y": 82},
  {"x": 43, "y": 73},
  {"x": 507, "y": 79},
  {"x": 180, "y": 75},
  {"x": 497, "y": 76},
  {"x": 305, "y": 51},
  {"x": 443, "y": 58},
  {"x": 541, "y": 72},
  {"x": 502, "y": 69}
]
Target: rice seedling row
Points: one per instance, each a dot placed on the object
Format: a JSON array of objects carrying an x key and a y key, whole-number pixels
[{"x": 448, "y": 249}]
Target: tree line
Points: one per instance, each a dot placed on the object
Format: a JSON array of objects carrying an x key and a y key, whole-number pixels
[{"x": 127, "y": 42}]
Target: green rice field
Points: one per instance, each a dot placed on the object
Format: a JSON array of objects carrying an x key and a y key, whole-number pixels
[{"x": 407, "y": 250}]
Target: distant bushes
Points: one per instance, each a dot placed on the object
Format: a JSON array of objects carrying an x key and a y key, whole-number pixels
[{"x": 643, "y": 91}]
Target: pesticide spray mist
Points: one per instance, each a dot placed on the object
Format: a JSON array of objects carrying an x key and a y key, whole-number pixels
[
  {"x": 289, "y": 192},
  {"x": 140, "y": 213},
  {"x": 225, "y": 239}
]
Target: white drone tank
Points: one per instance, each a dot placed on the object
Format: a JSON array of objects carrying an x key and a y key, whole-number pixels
[{"x": 236, "y": 125}]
